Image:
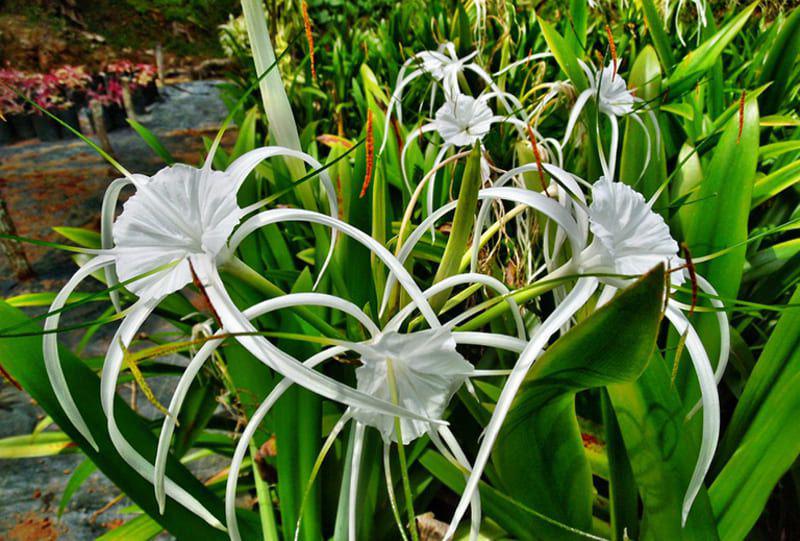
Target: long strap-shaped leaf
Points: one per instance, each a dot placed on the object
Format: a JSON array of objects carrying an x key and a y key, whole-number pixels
[
  {"x": 540, "y": 457},
  {"x": 22, "y": 359}
]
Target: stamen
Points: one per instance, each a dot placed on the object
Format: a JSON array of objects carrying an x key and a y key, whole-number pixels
[
  {"x": 613, "y": 48},
  {"x": 692, "y": 276},
  {"x": 310, "y": 38},
  {"x": 741, "y": 116},
  {"x": 4, "y": 373},
  {"x": 370, "y": 145},
  {"x": 538, "y": 158},
  {"x": 203, "y": 292}
]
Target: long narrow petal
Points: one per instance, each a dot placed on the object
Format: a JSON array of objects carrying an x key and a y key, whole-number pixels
[
  {"x": 397, "y": 98},
  {"x": 710, "y": 399},
  {"x": 461, "y": 457},
  {"x": 52, "y": 361},
  {"x": 432, "y": 185},
  {"x": 581, "y": 293},
  {"x": 387, "y": 472},
  {"x": 108, "y": 382},
  {"x": 580, "y": 103},
  {"x": 234, "y": 321},
  {"x": 194, "y": 366},
  {"x": 491, "y": 340},
  {"x": 355, "y": 470},
  {"x": 250, "y": 430},
  {"x": 648, "y": 144},
  {"x": 395, "y": 267},
  {"x": 241, "y": 168},
  {"x": 110, "y": 198}
]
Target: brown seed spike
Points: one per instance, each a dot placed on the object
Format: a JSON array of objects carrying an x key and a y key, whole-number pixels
[
  {"x": 370, "y": 144},
  {"x": 310, "y": 38},
  {"x": 613, "y": 48},
  {"x": 692, "y": 276},
  {"x": 538, "y": 157},
  {"x": 741, "y": 116}
]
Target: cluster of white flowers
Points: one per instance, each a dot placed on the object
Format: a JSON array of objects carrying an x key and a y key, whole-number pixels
[{"x": 183, "y": 224}]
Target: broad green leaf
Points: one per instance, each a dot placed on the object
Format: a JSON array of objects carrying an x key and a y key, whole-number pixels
[
  {"x": 719, "y": 218},
  {"x": 769, "y": 448},
  {"x": 539, "y": 456},
  {"x": 699, "y": 61},
  {"x": 22, "y": 359},
  {"x": 520, "y": 521},
  {"x": 576, "y": 29},
  {"x": 662, "y": 454},
  {"x": 778, "y": 363},
  {"x": 623, "y": 495}
]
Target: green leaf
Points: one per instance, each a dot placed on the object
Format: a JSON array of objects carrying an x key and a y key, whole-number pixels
[
  {"x": 771, "y": 185},
  {"x": 539, "y": 456},
  {"x": 518, "y": 520},
  {"x": 152, "y": 141},
  {"x": 779, "y": 362},
  {"x": 30, "y": 446},
  {"x": 779, "y": 65},
  {"x": 662, "y": 454},
  {"x": 22, "y": 359},
  {"x": 564, "y": 55},
  {"x": 141, "y": 528},
  {"x": 463, "y": 220},
  {"x": 80, "y": 236},
  {"x": 696, "y": 63},
  {"x": 769, "y": 449},
  {"x": 655, "y": 24},
  {"x": 78, "y": 477}
]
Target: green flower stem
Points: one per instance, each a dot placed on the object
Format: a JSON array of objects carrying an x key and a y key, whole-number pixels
[
  {"x": 265, "y": 512},
  {"x": 401, "y": 452}
]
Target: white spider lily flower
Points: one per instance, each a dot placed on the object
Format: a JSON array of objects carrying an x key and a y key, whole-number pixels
[
  {"x": 445, "y": 67},
  {"x": 627, "y": 238},
  {"x": 614, "y": 100},
  {"x": 461, "y": 122},
  {"x": 177, "y": 224},
  {"x": 422, "y": 368}
]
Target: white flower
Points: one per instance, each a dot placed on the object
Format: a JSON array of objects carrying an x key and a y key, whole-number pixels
[
  {"x": 630, "y": 239},
  {"x": 464, "y": 120},
  {"x": 627, "y": 238},
  {"x": 180, "y": 212},
  {"x": 613, "y": 96},
  {"x": 426, "y": 370},
  {"x": 614, "y": 100}
]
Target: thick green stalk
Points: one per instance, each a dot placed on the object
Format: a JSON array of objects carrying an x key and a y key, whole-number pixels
[{"x": 463, "y": 220}]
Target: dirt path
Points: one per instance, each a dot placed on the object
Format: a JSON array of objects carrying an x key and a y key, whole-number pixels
[{"x": 62, "y": 183}]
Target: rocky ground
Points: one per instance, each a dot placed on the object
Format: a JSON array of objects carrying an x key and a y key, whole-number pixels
[{"x": 52, "y": 184}]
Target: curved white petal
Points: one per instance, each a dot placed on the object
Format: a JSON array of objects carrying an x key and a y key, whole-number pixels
[
  {"x": 109, "y": 206},
  {"x": 52, "y": 361},
  {"x": 252, "y": 425},
  {"x": 108, "y": 382},
  {"x": 710, "y": 400},
  {"x": 244, "y": 165},
  {"x": 355, "y": 470},
  {"x": 394, "y": 265},
  {"x": 581, "y": 293}
]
